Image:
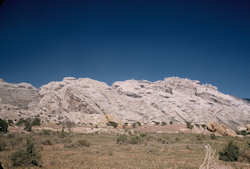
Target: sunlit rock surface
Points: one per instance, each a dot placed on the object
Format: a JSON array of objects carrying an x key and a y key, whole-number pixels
[{"x": 86, "y": 101}]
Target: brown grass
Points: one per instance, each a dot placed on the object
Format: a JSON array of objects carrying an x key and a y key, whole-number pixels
[{"x": 157, "y": 151}]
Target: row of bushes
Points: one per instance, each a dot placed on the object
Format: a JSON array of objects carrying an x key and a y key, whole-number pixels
[
  {"x": 231, "y": 151},
  {"x": 134, "y": 139},
  {"x": 27, "y": 123},
  {"x": 136, "y": 124},
  {"x": 27, "y": 156}
]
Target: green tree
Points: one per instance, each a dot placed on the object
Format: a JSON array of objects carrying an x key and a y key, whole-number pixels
[
  {"x": 28, "y": 125},
  {"x": 36, "y": 122},
  {"x": 230, "y": 152}
]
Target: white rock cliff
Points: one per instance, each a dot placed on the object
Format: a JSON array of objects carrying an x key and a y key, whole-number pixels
[{"x": 85, "y": 101}]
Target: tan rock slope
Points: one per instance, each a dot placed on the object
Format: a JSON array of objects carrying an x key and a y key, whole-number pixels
[
  {"x": 17, "y": 100},
  {"x": 86, "y": 101}
]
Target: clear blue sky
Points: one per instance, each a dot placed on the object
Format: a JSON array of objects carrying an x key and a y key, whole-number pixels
[{"x": 111, "y": 40}]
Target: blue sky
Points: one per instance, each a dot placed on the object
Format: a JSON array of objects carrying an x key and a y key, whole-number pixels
[{"x": 110, "y": 40}]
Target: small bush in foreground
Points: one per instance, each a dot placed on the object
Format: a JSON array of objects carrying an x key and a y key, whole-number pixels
[
  {"x": 121, "y": 139},
  {"x": 47, "y": 142},
  {"x": 135, "y": 140},
  {"x": 26, "y": 157},
  {"x": 230, "y": 152},
  {"x": 84, "y": 143},
  {"x": 212, "y": 136},
  {"x": 46, "y": 132},
  {"x": 3, "y": 145},
  {"x": 3, "y": 126}
]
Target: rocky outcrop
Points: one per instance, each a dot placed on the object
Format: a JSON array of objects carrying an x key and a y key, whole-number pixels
[
  {"x": 221, "y": 129},
  {"x": 89, "y": 102},
  {"x": 17, "y": 100}
]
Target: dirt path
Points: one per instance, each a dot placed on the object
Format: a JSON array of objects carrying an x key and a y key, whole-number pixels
[{"x": 209, "y": 161}]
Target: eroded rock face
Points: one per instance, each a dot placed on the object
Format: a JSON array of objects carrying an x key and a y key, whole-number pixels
[
  {"x": 17, "y": 100},
  {"x": 221, "y": 129},
  {"x": 86, "y": 101}
]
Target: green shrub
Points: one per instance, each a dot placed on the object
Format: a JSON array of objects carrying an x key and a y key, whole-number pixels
[
  {"x": 122, "y": 139},
  {"x": 29, "y": 122},
  {"x": 200, "y": 137},
  {"x": 230, "y": 152},
  {"x": 20, "y": 122},
  {"x": 243, "y": 132},
  {"x": 36, "y": 122},
  {"x": 138, "y": 123},
  {"x": 156, "y": 123},
  {"x": 11, "y": 135},
  {"x": 204, "y": 126},
  {"x": 135, "y": 140},
  {"x": 197, "y": 125},
  {"x": 10, "y": 122},
  {"x": 3, "y": 145},
  {"x": 112, "y": 123},
  {"x": 27, "y": 156},
  {"x": 47, "y": 142},
  {"x": 162, "y": 141},
  {"x": 66, "y": 140},
  {"x": 15, "y": 141},
  {"x": 84, "y": 143},
  {"x": 212, "y": 136},
  {"x": 70, "y": 145},
  {"x": 163, "y": 123},
  {"x": 143, "y": 135},
  {"x": 62, "y": 134},
  {"x": 28, "y": 125},
  {"x": 3, "y": 126},
  {"x": 46, "y": 132},
  {"x": 189, "y": 125}
]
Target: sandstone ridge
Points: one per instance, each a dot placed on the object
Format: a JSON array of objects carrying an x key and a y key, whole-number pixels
[{"x": 89, "y": 102}]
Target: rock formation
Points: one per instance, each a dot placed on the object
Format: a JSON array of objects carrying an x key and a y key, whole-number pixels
[
  {"x": 88, "y": 102},
  {"x": 220, "y": 129},
  {"x": 17, "y": 100}
]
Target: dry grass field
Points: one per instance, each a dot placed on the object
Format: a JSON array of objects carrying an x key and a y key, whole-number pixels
[{"x": 113, "y": 151}]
